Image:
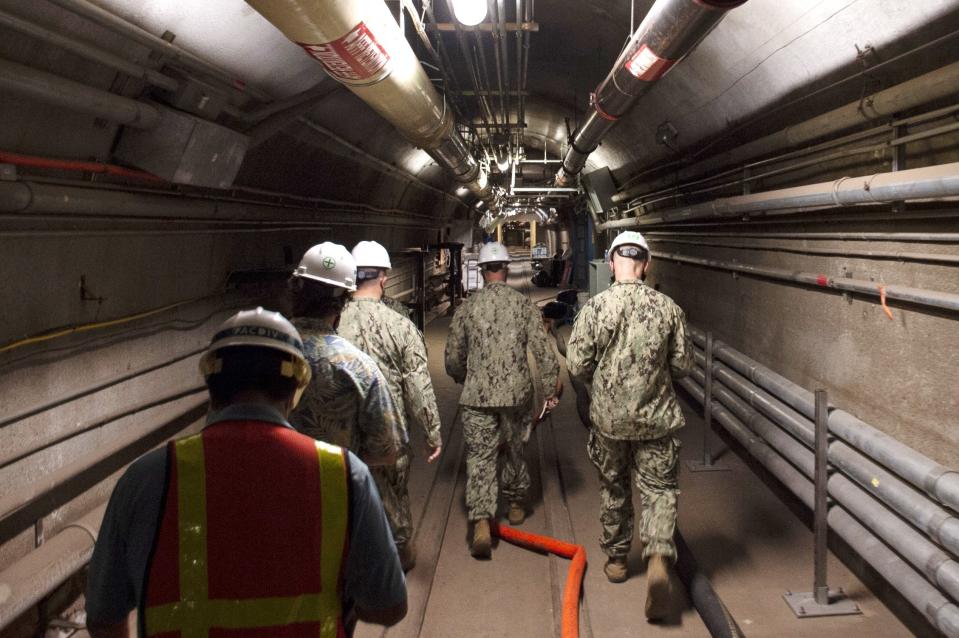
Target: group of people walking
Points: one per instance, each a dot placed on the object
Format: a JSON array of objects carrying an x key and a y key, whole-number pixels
[{"x": 291, "y": 508}]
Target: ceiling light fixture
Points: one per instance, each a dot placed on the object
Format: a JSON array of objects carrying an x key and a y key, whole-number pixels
[{"x": 469, "y": 12}]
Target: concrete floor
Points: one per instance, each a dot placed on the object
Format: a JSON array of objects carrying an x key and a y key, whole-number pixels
[{"x": 746, "y": 540}]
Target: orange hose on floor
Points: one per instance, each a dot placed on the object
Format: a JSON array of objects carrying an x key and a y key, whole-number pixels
[{"x": 574, "y": 578}]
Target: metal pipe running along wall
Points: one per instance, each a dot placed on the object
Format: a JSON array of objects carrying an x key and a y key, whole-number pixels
[
  {"x": 53, "y": 89},
  {"x": 938, "y": 481},
  {"x": 937, "y": 608},
  {"x": 908, "y": 294},
  {"x": 910, "y": 94},
  {"x": 938, "y": 566},
  {"x": 928, "y": 182},
  {"x": 785, "y": 432},
  {"x": 360, "y": 45},
  {"x": 920, "y": 510},
  {"x": 671, "y": 30}
]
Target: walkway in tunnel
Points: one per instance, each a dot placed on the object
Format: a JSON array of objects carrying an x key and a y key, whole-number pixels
[{"x": 749, "y": 543}]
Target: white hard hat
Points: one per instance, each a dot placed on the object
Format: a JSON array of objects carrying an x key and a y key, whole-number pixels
[
  {"x": 371, "y": 254},
  {"x": 329, "y": 264},
  {"x": 263, "y": 329},
  {"x": 628, "y": 238},
  {"x": 493, "y": 252}
]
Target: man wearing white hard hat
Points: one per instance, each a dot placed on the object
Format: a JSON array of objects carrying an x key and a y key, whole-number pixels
[
  {"x": 371, "y": 254},
  {"x": 486, "y": 351},
  {"x": 392, "y": 340},
  {"x": 348, "y": 402},
  {"x": 196, "y": 539},
  {"x": 629, "y": 343}
]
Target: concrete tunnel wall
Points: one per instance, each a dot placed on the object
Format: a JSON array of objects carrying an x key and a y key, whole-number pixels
[
  {"x": 899, "y": 375},
  {"x": 132, "y": 275}
]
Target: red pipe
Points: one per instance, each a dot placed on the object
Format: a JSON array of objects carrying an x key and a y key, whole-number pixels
[
  {"x": 74, "y": 165},
  {"x": 574, "y": 578}
]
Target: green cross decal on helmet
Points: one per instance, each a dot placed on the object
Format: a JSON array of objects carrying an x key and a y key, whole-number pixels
[{"x": 329, "y": 264}]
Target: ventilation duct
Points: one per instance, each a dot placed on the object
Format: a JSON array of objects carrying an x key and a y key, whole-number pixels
[
  {"x": 670, "y": 31},
  {"x": 360, "y": 45}
]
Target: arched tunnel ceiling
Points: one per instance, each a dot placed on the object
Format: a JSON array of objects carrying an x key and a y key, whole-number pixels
[{"x": 763, "y": 54}]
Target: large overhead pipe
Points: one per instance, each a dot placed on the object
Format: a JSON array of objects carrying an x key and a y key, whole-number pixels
[
  {"x": 670, "y": 31},
  {"x": 360, "y": 45}
]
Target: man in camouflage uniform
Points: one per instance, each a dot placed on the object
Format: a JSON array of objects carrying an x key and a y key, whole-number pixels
[
  {"x": 348, "y": 402},
  {"x": 397, "y": 347},
  {"x": 629, "y": 342},
  {"x": 487, "y": 352}
]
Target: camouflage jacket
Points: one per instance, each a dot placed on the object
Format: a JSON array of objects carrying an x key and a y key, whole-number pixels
[
  {"x": 348, "y": 402},
  {"x": 398, "y": 306},
  {"x": 630, "y": 342},
  {"x": 487, "y": 349},
  {"x": 397, "y": 347}
]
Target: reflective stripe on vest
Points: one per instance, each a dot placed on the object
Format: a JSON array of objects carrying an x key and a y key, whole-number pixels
[{"x": 196, "y": 613}]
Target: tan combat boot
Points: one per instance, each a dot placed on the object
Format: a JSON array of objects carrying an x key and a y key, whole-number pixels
[
  {"x": 516, "y": 514},
  {"x": 482, "y": 542},
  {"x": 658, "y": 587},
  {"x": 615, "y": 569}
]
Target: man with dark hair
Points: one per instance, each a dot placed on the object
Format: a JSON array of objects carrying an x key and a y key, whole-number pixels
[
  {"x": 487, "y": 352},
  {"x": 198, "y": 541},
  {"x": 629, "y": 343},
  {"x": 348, "y": 403},
  {"x": 397, "y": 347}
]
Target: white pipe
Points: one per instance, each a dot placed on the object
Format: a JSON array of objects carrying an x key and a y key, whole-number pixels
[
  {"x": 53, "y": 89},
  {"x": 928, "y": 182},
  {"x": 360, "y": 45},
  {"x": 915, "y": 92},
  {"x": 89, "y": 52},
  {"x": 28, "y": 580}
]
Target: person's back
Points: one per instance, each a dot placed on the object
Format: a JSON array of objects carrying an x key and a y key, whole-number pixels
[
  {"x": 201, "y": 544},
  {"x": 628, "y": 343},
  {"x": 398, "y": 349},
  {"x": 490, "y": 334},
  {"x": 489, "y": 341},
  {"x": 254, "y": 545},
  {"x": 394, "y": 343},
  {"x": 634, "y": 359},
  {"x": 348, "y": 402}
]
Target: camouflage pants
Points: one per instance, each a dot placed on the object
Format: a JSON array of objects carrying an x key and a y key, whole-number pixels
[
  {"x": 485, "y": 429},
  {"x": 392, "y": 482},
  {"x": 655, "y": 463}
]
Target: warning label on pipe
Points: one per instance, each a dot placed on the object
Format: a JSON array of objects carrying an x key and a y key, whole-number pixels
[
  {"x": 646, "y": 65},
  {"x": 356, "y": 58}
]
